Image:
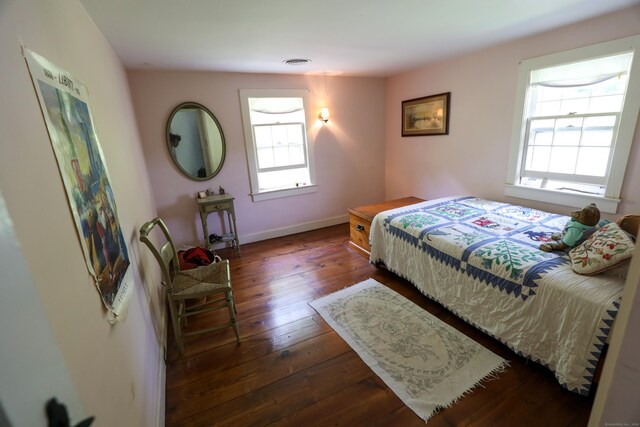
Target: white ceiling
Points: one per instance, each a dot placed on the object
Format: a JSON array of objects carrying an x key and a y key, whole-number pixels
[{"x": 348, "y": 37}]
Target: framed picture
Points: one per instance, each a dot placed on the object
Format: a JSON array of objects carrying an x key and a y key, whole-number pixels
[
  {"x": 428, "y": 115},
  {"x": 66, "y": 110}
]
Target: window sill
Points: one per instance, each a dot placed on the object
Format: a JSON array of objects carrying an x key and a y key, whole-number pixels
[
  {"x": 287, "y": 192},
  {"x": 563, "y": 198}
]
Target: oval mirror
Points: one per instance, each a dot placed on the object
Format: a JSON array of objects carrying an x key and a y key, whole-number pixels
[{"x": 195, "y": 141}]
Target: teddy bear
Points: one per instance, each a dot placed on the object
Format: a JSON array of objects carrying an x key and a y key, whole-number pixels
[{"x": 580, "y": 225}]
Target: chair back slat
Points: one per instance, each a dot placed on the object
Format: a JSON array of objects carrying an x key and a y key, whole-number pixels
[{"x": 167, "y": 255}]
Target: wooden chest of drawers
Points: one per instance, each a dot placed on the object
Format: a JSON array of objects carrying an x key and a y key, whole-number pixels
[{"x": 360, "y": 221}]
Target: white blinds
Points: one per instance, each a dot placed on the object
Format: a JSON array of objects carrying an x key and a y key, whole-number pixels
[{"x": 584, "y": 72}]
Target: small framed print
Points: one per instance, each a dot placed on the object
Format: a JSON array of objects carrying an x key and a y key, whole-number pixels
[
  {"x": 202, "y": 194},
  {"x": 428, "y": 115}
]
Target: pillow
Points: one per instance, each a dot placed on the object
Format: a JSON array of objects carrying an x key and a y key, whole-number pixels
[{"x": 605, "y": 249}]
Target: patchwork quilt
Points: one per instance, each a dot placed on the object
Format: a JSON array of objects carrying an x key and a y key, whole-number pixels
[{"x": 480, "y": 259}]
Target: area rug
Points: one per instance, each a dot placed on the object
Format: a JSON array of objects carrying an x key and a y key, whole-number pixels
[{"x": 428, "y": 364}]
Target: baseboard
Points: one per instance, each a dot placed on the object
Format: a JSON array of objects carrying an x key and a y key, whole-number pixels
[
  {"x": 285, "y": 231},
  {"x": 162, "y": 367}
]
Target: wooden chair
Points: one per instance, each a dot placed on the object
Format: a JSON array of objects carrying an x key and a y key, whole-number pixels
[{"x": 208, "y": 287}]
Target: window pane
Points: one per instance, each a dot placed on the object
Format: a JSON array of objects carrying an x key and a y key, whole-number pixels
[
  {"x": 600, "y": 121},
  {"x": 263, "y": 136},
  {"x": 605, "y": 104},
  {"x": 601, "y": 138},
  {"x": 563, "y": 159},
  {"x": 541, "y": 138},
  {"x": 538, "y": 159},
  {"x": 550, "y": 108},
  {"x": 567, "y": 131},
  {"x": 567, "y": 136},
  {"x": 593, "y": 161},
  {"x": 598, "y": 131},
  {"x": 265, "y": 158},
  {"x": 294, "y": 133},
  {"x": 541, "y": 132},
  {"x": 281, "y": 155},
  {"x": 279, "y": 135},
  {"x": 297, "y": 154},
  {"x": 545, "y": 93},
  {"x": 580, "y": 105},
  {"x": 541, "y": 125}
]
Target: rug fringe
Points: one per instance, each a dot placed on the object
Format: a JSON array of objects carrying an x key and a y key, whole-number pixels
[{"x": 490, "y": 376}]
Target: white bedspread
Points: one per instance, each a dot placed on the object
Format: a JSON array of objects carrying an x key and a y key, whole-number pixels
[{"x": 481, "y": 260}]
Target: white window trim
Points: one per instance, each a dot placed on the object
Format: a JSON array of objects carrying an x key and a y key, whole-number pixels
[
  {"x": 252, "y": 162},
  {"x": 287, "y": 192},
  {"x": 624, "y": 139}
]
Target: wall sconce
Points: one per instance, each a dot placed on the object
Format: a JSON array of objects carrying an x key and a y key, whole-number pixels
[{"x": 323, "y": 115}]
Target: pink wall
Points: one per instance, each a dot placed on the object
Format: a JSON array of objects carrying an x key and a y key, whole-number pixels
[
  {"x": 473, "y": 158},
  {"x": 349, "y": 151},
  {"x": 117, "y": 370}
]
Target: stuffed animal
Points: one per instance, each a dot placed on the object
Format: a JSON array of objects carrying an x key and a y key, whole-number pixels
[{"x": 582, "y": 222}]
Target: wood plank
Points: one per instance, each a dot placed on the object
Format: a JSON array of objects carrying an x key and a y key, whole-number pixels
[
  {"x": 211, "y": 390},
  {"x": 289, "y": 395},
  {"x": 536, "y": 403},
  {"x": 357, "y": 405},
  {"x": 224, "y": 357}
]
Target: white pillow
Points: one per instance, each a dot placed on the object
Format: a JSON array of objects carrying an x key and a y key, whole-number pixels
[{"x": 606, "y": 248}]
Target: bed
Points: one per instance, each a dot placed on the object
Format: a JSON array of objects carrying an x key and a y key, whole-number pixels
[{"x": 481, "y": 260}]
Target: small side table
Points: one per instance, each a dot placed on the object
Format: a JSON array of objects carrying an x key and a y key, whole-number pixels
[{"x": 219, "y": 203}]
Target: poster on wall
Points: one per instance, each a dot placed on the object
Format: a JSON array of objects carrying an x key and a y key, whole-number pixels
[{"x": 65, "y": 107}]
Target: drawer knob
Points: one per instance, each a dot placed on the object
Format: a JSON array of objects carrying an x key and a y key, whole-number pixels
[{"x": 359, "y": 227}]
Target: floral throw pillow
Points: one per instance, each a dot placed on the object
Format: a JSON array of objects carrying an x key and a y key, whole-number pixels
[{"x": 605, "y": 249}]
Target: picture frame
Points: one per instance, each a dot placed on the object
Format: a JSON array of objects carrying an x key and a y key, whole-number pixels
[{"x": 428, "y": 115}]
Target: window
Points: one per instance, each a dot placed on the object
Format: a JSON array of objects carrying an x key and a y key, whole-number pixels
[
  {"x": 279, "y": 159},
  {"x": 574, "y": 125}
]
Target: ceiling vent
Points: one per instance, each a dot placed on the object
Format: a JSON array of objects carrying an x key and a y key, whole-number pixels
[{"x": 296, "y": 61}]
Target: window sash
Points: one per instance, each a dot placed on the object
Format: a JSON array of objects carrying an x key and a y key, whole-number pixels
[
  {"x": 272, "y": 147},
  {"x": 529, "y": 146}
]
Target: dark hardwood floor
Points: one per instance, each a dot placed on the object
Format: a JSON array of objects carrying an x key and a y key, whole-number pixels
[{"x": 292, "y": 369}]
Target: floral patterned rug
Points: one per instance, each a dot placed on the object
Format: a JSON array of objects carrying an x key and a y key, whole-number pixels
[{"x": 428, "y": 364}]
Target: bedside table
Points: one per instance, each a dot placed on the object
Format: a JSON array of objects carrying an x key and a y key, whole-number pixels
[
  {"x": 360, "y": 221},
  {"x": 219, "y": 203}
]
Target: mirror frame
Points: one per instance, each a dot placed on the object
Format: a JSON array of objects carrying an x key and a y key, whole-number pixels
[{"x": 168, "y": 140}]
